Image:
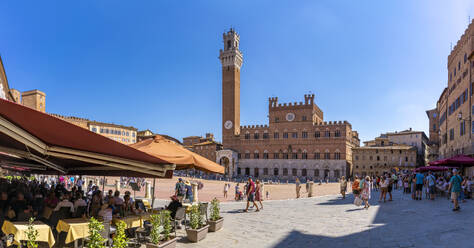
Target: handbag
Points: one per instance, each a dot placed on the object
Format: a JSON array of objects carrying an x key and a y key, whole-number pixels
[{"x": 358, "y": 201}]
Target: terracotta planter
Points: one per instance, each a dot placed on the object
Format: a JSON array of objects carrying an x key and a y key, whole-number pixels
[
  {"x": 215, "y": 226},
  {"x": 195, "y": 235},
  {"x": 168, "y": 244}
]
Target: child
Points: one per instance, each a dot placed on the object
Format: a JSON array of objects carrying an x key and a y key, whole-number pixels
[{"x": 268, "y": 195}]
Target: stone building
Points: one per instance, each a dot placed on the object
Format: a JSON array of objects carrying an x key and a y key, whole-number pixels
[
  {"x": 454, "y": 106},
  {"x": 119, "y": 133},
  {"x": 296, "y": 142},
  {"x": 433, "y": 144},
  {"x": 204, "y": 146},
  {"x": 376, "y": 159}
]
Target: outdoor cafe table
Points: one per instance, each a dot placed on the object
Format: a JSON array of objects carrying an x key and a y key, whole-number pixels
[
  {"x": 77, "y": 228},
  {"x": 18, "y": 229},
  {"x": 131, "y": 221}
]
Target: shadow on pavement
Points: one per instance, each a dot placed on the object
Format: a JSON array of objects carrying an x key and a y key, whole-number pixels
[{"x": 401, "y": 223}]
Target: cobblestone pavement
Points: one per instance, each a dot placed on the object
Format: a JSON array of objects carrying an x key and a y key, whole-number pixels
[{"x": 329, "y": 221}]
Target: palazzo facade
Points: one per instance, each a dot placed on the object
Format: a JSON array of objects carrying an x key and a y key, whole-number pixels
[{"x": 296, "y": 142}]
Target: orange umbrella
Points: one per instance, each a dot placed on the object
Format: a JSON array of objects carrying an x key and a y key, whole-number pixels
[{"x": 174, "y": 153}]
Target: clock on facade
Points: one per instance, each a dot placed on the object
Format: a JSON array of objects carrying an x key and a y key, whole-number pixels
[
  {"x": 290, "y": 117},
  {"x": 228, "y": 124}
]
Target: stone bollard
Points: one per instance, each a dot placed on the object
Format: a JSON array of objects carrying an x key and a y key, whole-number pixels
[
  {"x": 195, "y": 192},
  {"x": 117, "y": 185},
  {"x": 310, "y": 189},
  {"x": 148, "y": 190}
]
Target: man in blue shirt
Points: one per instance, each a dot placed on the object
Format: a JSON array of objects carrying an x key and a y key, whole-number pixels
[
  {"x": 419, "y": 185},
  {"x": 455, "y": 188},
  {"x": 431, "y": 184}
]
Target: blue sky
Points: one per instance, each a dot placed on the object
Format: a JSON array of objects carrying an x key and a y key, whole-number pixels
[{"x": 153, "y": 64}]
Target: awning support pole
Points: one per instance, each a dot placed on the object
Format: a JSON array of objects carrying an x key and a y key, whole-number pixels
[
  {"x": 103, "y": 185},
  {"x": 153, "y": 194}
]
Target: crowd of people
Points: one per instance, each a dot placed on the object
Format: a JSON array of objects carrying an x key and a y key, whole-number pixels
[
  {"x": 50, "y": 200},
  {"x": 430, "y": 184}
]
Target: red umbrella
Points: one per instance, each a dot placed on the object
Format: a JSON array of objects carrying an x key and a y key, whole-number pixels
[{"x": 432, "y": 168}]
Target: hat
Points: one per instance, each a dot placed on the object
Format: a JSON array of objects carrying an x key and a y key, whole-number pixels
[
  {"x": 180, "y": 179},
  {"x": 455, "y": 170},
  {"x": 187, "y": 183}
]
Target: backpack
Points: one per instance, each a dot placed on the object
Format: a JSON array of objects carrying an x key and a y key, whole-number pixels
[{"x": 181, "y": 189}]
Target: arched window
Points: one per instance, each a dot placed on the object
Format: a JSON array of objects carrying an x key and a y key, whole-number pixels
[
  {"x": 294, "y": 172},
  {"x": 327, "y": 155},
  {"x": 256, "y": 155},
  {"x": 247, "y": 171},
  {"x": 265, "y": 171},
  {"x": 304, "y": 155},
  {"x": 316, "y": 173},
  {"x": 275, "y": 172},
  {"x": 285, "y": 155},
  {"x": 294, "y": 155},
  {"x": 337, "y": 133},
  {"x": 304, "y": 172},
  {"x": 317, "y": 134},
  {"x": 285, "y": 172},
  {"x": 256, "y": 136},
  {"x": 337, "y": 155},
  {"x": 265, "y": 154},
  {"x": 247, "y": 136},
  {"x": 247, "y": 154}
]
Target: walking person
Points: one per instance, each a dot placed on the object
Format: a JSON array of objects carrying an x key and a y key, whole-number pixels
[
  {"x": 226, "y": 189},
  {"x": 390, "y": 187},
  {"x": 343, "y": 183},
  {"x": 258, "y": 193},
  {"x": 237, "y": 192},
  {"x": 419, "y": 185},
  {"x": 251, "y": 195},
  {"x": 355, "y": 186},
  {"x": 455, "y": 189},
  {"x": 180, "y": 190},
  {"x": 384, "y": 181},
  {"x": 366, "y": 192},
  {"x": 298, "y": 187}
]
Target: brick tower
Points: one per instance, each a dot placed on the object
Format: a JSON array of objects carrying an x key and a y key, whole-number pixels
[{"x": 231, "y": 59}]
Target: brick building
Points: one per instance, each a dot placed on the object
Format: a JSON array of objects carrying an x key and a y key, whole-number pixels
[
  {"x": 454, "y": 107},
  {"x": 296, "y": 142},
  {"x": 204, "y": 146}
]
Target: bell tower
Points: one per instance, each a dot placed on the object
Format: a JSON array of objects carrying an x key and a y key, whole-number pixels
[{"x": 231, "y": 60}]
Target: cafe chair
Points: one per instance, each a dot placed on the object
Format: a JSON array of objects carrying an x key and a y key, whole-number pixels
[
  {"x": 180, "y": 216},
  {"x": 203, "y": 209},
  {"x": 80, "y": 211}
]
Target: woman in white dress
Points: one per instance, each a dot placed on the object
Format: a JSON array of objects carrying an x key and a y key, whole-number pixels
[{"x": 366, "y": 192}]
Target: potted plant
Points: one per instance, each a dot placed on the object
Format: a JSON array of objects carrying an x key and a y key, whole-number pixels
[
  {"x": 160, "y": 231},
  {"x": 32, "y": 234},
  {"x": 120, "y": 239},
  {"x": 198, "y": 229},
  {"x": 216, "y": 221},
  {"x": 95, "y": 238}
]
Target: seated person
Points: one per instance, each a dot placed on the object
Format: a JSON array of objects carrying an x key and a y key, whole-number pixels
[
  {"x": 106, "y": 213},
  {"x": 109, "y": 196},
  {"x": 20, "y": 205},
  {"x": 3, "y": 203},
  {"x": 51, "y": 201},
  {"x": 117, "y": 199},
  {"x": 174, "y": 205},
  {"x": 79, "y": 202},
  {"x": 128, "y": 205},
  {"x": 65, "y": 202}
]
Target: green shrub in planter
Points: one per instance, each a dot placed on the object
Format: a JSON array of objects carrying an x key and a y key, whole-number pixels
[
  {"x": 95, "y": 238},
  {"x": 156, "y": 229},
  {"x": 196, "y": 220},
  {"x": 120, "y": 238},
  {"x": 215, "y": 210},
  {"x": 32, "y": 234},
  {"x": 216, "y": 221}
]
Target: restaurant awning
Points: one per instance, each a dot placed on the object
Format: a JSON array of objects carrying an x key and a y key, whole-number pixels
[
  {"x": 183, "y": 158},
  {"x": 432, "y": 168},
  {"x": 459, "y": 160},
  {"x": 49, "y": 145}
]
